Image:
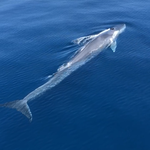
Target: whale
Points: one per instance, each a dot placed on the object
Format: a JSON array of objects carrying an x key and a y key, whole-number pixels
[{"x": 91, "y": 46}]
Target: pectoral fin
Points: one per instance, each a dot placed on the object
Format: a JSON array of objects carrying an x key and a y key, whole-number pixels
[{"x": 113, "y": 46}]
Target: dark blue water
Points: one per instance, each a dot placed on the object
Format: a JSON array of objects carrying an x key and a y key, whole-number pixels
[{"x": 104, "y": 105}]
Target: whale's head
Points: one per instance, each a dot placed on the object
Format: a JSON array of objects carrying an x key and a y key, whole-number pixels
[
  {"x": 111, "y": 34},
  {"x": 119, "y": 28},
  {"x": 115, "y": 31}
]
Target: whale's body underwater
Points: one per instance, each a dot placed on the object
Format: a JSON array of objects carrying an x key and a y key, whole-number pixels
[{"x": 96, "y": 43}]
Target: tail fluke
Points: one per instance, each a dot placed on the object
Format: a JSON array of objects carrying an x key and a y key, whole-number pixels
[{"x": 20, "y": 106}]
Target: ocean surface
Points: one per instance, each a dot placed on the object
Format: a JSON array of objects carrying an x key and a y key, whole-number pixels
[{"x": 104, "y": 105}]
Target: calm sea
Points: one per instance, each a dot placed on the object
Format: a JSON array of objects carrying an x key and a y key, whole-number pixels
[{"x": 104, "y": 105}]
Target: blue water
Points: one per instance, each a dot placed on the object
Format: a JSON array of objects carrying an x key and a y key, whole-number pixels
[{"x": 104, "y": 105}]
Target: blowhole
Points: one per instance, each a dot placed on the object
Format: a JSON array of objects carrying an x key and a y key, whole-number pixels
[{"x": 112, "y": 28}]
